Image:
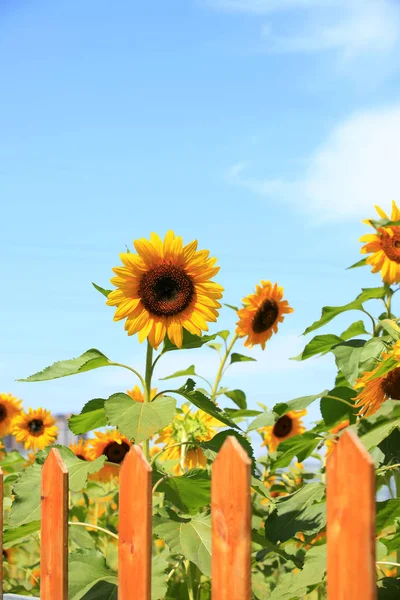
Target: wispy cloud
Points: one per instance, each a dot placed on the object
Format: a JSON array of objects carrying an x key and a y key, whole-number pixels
[
  {"x": 350, "y": 27},
  {"x": 356, "y": 167}
]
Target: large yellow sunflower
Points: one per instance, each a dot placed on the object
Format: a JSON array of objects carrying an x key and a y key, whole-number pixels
[
  {"x": 189, "y": 427},
  {"x": 165, "y": 288},
  {"x": 375, "y": 391},
  {"x": 114, "y": 446},
  {"x": 261, "y": 313},
  {"x": 286, "y": 427},
  {"x": 385, "y": 247},
  {"x": 80, "y": 449},
  {"x": 10, "y": 407},
  {"x": 36, "y": 429},
  {"x": 137, "y": 394}
]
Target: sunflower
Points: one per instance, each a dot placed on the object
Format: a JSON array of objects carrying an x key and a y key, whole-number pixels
[
  {"x": 384, "y": 246},
  {"x": 10, "y": 555},
  {"x": 10, "y": 407},
  {"x": 114, "y": 446},
  {"x": 375, "y": 391},
  {"x": 261, "y": 313},
  {"x": 165, "y": 288},
  {"x": 189, "y": 427},
  {"x": 80, "y": 449},
  {"x": 286, "y": 427},
  {"x": 331, "y": 441},
  {"x": 137, "y": 394},
  {"x": 36, "y": 429}
]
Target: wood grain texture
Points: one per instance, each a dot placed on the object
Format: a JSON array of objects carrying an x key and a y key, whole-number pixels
[
  {"x": 231, "y": 523},
  {"x": 351, "y": 521},
  {"x": 135, "y": 537},
  {"x": 54, "y": 529}
]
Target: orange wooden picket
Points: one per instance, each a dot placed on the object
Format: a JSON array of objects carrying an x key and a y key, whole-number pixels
[
  {"x": 135, "y": 537},
  {"x": 351, "y": 571},
  {"x": 231, "y": 523},
  {"x": 54, "y": 529}
]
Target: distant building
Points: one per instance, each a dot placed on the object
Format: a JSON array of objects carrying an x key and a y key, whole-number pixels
[{"x": 65, "y": 437}]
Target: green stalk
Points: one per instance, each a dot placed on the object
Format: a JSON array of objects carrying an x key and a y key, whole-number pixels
[
  {"x": 189, "y": 580},
  {"x": 147, "y": 389},
  {"x": 220, "y": 371}
]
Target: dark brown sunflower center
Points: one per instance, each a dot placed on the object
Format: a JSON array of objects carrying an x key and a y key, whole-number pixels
[
  {"x": 391, "y": 244},
  {"x": 283, "y": 427},
  {"x": 265, "y": 316},
  {"x": 36, "y": 426},
  {"x": 3, "y": 413},
  {"x": 166, "y": 290},
  {"x": 391, "y": 384},
  {"x": 116, "y": 452}
]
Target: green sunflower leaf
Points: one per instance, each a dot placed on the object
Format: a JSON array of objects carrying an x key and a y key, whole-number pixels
[
  {"x": 189, "y": 341},
  {"x": 360, "y": 263},
  {"x": 300, "y": 446},
  {"x": 386, "y": 513},
  {"x": 224, "y": 334},
  {"x": 101, "y": 290},
  {"x": 235, "y": 357},
  {"x": 235, "y": 308},
  {"x": 26, "y": 505},
  {"x": 381, "y": 431},
  {"x": 91, "y": 359},
  {"x": 87, "y": 568},
  {"x": 292, "y": 585},
  {"x": 188, "y": 492},
  {"x": 213, "y": 446},
  {"x": 301, "y": 511},
  {"x": 204, "y": 403},
  {"x": 348, "y": 358},
  {"x": 265, "y": 419},
  {"x": 391, "y": 327},
  {"x": 139, "y": 420},
  {"x": 330, "y": 312},
  {"x": 92, "y": 416},
  {"x": 12, "y": 535},
  {"x": 238, "y": 397},
  {"x": 189, "y": 537},
  {"x": 357, "y": 328},
  {"x": 320, "y": 344},
  {"x": 334, "y": 411},
  {"x": 189, "y": 371},
  {"x": 297, "y": 404}
]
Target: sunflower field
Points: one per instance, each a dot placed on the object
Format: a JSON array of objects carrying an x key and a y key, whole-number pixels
[{"x": 165, "y": 293}]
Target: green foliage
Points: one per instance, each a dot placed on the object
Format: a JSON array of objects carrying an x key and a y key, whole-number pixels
[
  {"x": 235, "y": 357},
  {"x": 330, "y": 312},
  {"x": 297, "y": 404},
  {"x": 87, "y": 568},
  {"x": 204, "y": 403},
  {"x": 92, "y": 416},
  {"x": 334, "y": 411},
  {"x": 89, "y": 360},
  {"x": 139, "y": 420},
  {"x": 296, "y": 585},
  {"x": 188, "y": 492},
  {"x": 301, "y": 446},
  {"x": 190, "y": 341},
  {"x": 238, "y": 397},
  {"x": 303, "y": 511},
  {"x": 105, "y": 293},
  {"x": 189, "y": 537},
  {"x": 189, "y": 371}
]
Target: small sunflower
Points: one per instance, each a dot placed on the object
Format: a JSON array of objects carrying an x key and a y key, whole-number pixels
[
  {"x": 10, "y": 407},
  {"x": 189, "y": 427},
  {"x": 138, "y": 395},
  {"x": 384, "y": 246},
  {"x": 261, "y": 313},
  {"x": 114, "y": 446},
  {"x": 375, "y": 391},
  {"x": 165, "y": 288},
  {"x": 331, "y": 441},
  {"x": 80, "y": 449},
  {"x": 36, "y": 429},
  {"x": 10, "y": 555},
  {"x": 286, "y": 427}
]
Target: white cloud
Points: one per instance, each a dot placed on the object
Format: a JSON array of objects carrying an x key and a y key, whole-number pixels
[
  {"x": 356, "y": 167},
  {"x": 350, "y": 27}
]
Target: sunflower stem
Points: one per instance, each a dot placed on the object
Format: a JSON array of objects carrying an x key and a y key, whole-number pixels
[
  {"x": 90, "y": 526},
  {"x": 115, "y": 364},
  {"x": 221, "y": 368},
  {"x": 147, "y": 389}
]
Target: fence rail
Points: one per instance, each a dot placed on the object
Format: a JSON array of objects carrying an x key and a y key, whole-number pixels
[{"x": 350, "y": 525}]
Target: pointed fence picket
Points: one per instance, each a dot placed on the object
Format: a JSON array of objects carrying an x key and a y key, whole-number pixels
[{"x": 350, "y": 525}]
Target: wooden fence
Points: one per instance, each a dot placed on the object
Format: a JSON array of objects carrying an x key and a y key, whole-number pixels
[{"x": 350, "y": 525}]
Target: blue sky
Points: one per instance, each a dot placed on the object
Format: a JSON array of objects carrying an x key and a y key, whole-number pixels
[{"x": 267, "y": 130}]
